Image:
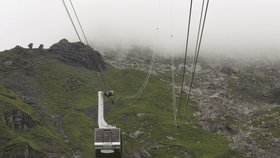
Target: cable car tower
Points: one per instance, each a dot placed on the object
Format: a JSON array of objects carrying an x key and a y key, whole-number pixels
[{"x": 107, "y": 138}]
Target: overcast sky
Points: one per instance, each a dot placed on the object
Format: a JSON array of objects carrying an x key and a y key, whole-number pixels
[{"x": 232, "y": 27}]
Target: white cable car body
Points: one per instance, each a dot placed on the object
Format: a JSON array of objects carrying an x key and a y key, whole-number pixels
[{"x": 107, "y": 140}]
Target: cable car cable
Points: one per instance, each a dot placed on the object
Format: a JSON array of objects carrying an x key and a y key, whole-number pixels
[
  {"x": 185, "y": 59},
  {"x": 72, "y": 5},
  {"x": 100, "y": 76},
  {"x": 73, "y": 24},
  {"x": 98, "y": 73},
  {"x": 173, "y": 69},
  {"x": 198, "y": 46}
]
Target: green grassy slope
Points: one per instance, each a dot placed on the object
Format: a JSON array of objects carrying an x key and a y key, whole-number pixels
[
  {"x": 158, "y": 121},
  {"x": 38, "y": 137},
  {"x": 70, "y": 95}
]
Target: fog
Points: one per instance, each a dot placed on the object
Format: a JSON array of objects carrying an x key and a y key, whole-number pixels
[{"x": 233, "y": 27}]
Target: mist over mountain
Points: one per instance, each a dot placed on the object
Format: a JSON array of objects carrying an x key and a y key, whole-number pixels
[{"x": 233, "y": 28}]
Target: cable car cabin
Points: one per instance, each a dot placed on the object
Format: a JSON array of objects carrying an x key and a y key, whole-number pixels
[
  {"x": 108, "y": 142},
  {"x": 107, "y": 138}
]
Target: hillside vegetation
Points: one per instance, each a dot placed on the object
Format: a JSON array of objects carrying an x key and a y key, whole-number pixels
[{"x": 48, "y": 107}]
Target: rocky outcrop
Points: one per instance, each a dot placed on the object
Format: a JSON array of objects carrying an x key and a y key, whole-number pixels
[
  {"x": 22, "y": 151},
  {"x": 18, "y": 120},
  {"x": 78, "y": 54}
]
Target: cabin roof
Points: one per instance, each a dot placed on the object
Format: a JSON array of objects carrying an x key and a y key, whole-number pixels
[{"x": 107, "y": 135}]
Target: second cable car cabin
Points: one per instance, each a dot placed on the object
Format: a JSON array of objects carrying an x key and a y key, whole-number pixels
[{"x": 107, "y": 138}]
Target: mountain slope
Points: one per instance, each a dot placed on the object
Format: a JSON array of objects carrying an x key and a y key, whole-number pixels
[{"x": 51, "y": 97}]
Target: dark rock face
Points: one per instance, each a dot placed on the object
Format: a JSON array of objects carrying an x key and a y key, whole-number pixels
[
  {"x": 78, "y": 54},
  {"x": 21, "y": 151},
  {"x": 18, "y": 120}
]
